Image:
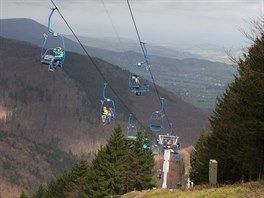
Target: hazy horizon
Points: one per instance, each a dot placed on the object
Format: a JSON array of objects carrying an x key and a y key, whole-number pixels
[{"x": 166, "y": 23}]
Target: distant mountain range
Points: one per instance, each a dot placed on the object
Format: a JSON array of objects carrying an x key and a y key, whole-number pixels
[
  {"x": 204, "y": 51},
  {"x": 125, "y": 45},
  {"x": 195, "y": 80}
]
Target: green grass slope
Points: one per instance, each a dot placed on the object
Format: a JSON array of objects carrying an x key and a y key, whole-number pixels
[{"x": 249, "y": 190}]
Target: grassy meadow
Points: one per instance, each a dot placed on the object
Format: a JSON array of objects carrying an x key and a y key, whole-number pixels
[{"x": 247, "y": 190}]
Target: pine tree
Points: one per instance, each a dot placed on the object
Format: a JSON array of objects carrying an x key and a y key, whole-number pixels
[
  {"x": 200, "y": 160},
  {"x": 40, "y": 192},
  {"x": 66, "y": 185},
  {"x": 237, "y": 138},
  {"x": 55, "y": 189},
  {"x": 238, "y": 127},
  {"x": 75, "y": 180},
  {"x": 139, "y": 165},
  {"x": 147, "y": 164},
  {"x": 23, "y": 195},
  {"x": 116, "y": 148},
  {"x": 131, "y": 167},
  {"x": 106, "y": 175},
  {"x": 116, "y": 166}
]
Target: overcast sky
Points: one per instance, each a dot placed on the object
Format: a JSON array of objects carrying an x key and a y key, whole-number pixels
[{"x": 173, "y": 22}]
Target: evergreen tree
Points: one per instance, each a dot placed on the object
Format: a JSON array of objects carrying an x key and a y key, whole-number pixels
[
  {"x": 55, "y": 189},
  {"x": 40, "y": 192},
  {"x": 139, "y": 165},
  {"x": 23, "y": 195},
  {"x": 69, "y": 184},
  {"x": 116, "y": 148},
  {"x": 118, "y": 167},
  {"x": 131, "y": 167},
  {"x": 96, "y": 183},
  {"x": 146, "y": 162},
  {"x": 106, "y": 175},
  {"x": 200, "y": 160},
  {"x": 237, "y": 138},
  {"x": 75, "y": 180}
]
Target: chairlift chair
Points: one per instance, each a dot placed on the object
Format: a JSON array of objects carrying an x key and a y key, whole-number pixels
[
  {"x": 155, "y": 123},
  {"x": 155, "y": 149},
  {"x": 52, "y": 40},
  {"x": 139, "y": 77},
  {"x": 109, "y": 104},
  {"x": 132, "y": 132},
  {"x": 47, "y": 54},
  {"x": 175, "y": 145}
]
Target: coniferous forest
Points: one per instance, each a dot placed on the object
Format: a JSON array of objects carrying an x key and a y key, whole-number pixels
[
  {"x": 119, "y": 167},
  {"x": 236, "y": 139}
]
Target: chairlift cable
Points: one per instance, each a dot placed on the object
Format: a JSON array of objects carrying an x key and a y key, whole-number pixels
[
  {"x": 118, "y": 36},
  {"x": 135, "y": 25},
  {"x": 140, "y": 42},
  {"x": 95, "y": 65}
]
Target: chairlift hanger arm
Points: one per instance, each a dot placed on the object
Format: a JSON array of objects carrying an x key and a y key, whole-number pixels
[
  {"x": 104, "y": 92},
  {"x": 171, "y": 129},
  {"x": 129, "y": 120},
  {"x": 145, "y": 52},
  {"x": 49, "y": 19},
  {"x": 162, "y": 105}
]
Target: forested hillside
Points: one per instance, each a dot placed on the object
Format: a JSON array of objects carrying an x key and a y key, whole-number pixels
[
  {"x": 53, "y": 100},
  {"x": 59, "y": 111},
  {"x": 25, "y": 163},
  {"x": 119, "y": 167}
]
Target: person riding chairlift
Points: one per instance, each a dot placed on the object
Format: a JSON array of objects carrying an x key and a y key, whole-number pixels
[
  {"x": 169, "y": 144},
  {"x": 58, "y": 56},
  {"x": 164, "y": 143},
  {"x": 110, "y": 113},
  {"x": 136, "y": 83},
  {"x": 105, "y": 114}
]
